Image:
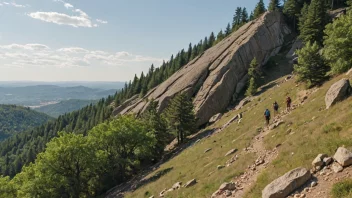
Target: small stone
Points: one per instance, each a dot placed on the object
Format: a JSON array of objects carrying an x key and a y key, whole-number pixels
[
  {"x": 220, "y": 167},
  {"x": 327, "y": 160},
  {"x": 313, "y": 184},
  {"x": 207, "y": 150},
  {"x": 151, "y": 196},
  {"x": 232, "y": 151},
  {"x": 177, "y": 185},
  {"x": 318, "y": 161},
  {"x": 289, "y": 131},
  {"x": 190, "y": 183}
]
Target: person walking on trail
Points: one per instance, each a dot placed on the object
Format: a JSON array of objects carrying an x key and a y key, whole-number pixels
[
  {"x": 267, "y": 116},
  {"x": 288, "y": 103},
  {"x": 276, "y": 108}
]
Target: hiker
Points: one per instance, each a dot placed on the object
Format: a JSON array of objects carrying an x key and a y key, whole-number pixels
[
  {"x": 288, "y": 103},
  {"x": 276, "y": 108},
  {"x": 267, "y": 116}
]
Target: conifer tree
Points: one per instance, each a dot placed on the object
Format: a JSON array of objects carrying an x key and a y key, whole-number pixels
[
  {"x": 303, "y": 16},
  {"x": 314, "y": 25},
  {"x": 244, "y": 16},
  {"x": 211, "y": 40},
  {"x": 180, "y": 117},
  {"x": 228, "y": 30},
  {"x": 274, "y": 5},
  {"x": 251, "y": 16},
  {"x": 237, "y": 18},
  {"x": 291, "y": 9},
  {"x": 311, "y": 67},
  {"x": 337, "y": 44},
  {"x": 259, "y": 9},
  {"x": 253, "y": 75},
  {"x": 219, "y": 37}
]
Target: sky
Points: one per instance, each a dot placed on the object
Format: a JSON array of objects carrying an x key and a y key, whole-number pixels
[{"x": 102, "y": 40}]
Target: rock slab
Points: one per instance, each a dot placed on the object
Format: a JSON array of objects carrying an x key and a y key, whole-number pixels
[
  {"x": 286, "y": 184},
  {"x": 212, "y": 77},
  {"x": 190, "y": 183},
  {"x": 343, "y": 157},
  {"x": 215, "y": 118},
  {"x": 337, "y": 92}
]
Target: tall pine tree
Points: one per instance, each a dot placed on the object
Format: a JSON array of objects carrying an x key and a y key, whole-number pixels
[
  {"x": 274, "y": 5},
  {"x": 259, "y": 9}
]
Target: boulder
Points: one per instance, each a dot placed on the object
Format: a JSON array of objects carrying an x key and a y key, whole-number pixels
[
  {"x": 343, "y": 156},
  {"x": 190, "y": 183},
  {"x": 212, "y": 77},
  {"x": 207, "y": 150},
  {"x": 220, "y": 167},
  {"x": 232, "y": 151},
  {"x": 227, "y": 186},
  {"x": 215, "y": 118},
  {"x": 327, "y": 160},
  {"x": 336, "y": 167},
  {"x": 286, "y": 184},
  {"x": 337, "y": 92},
  {"x": 318, "y": 161}
]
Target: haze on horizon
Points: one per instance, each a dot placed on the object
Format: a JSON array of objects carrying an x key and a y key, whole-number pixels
[{"x": 66, "y": 40}]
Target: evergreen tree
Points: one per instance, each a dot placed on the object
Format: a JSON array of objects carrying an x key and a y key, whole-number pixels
[
  {"x": 180, "y": 117},
  {"x": 314, "y": 25},
  {"x": 337, "y": 44},
  {"x": 228, "y": 30},
  {"x": 244, "y": 16},
  {"x": 211, "y": 40},
  {"x": 274, "y": 5},
  {"x": 189, "y": 52},
  {"x": 291, "y": 9},
  {"x": 303, "y": 16},
  {"x": 259, "y": 9},
  {"x": 253, "y": 75},
  {"x": 219, "y": 37},
  {"x": 251, "y": 16},
  {"x": 311, "y": 67},
  {"x": 237, "y": 19}
]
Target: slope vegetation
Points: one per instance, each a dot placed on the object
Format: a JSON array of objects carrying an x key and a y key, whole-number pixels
[
  {"x": 15, "y": 119},
  {"x": 66, "y": 106},
  {"x": 308, "y": 130}
]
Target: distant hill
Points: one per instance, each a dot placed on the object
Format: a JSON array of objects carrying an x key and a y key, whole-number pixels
[
  {"x": 41, "y": 95},
  {"x": 14, "y": 119},
  {"x": 63, "y": 107},
  {"x": 92, "y": 84}
]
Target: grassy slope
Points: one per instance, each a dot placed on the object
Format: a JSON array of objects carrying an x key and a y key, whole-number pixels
[{"x": 331, "y": 129}]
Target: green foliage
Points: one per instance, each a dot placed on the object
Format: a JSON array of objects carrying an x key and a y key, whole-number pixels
[
  {"x": 311, "y": 67},
  {"x": 180, "y": 117},
  {"x": 274, "y": 5},
  {"x": 15, "y": 119},
  {"x": 252, "y": 87},
  {"x": 342, "y": 189},
  {"x": 338, "y": 42},
  {"x": 254, "y": 75},
  {"x": 312, "y": 29},
  {"x": 303, "y": 16},
  {"x": 259, "y": 9},
  {"x": 7, "y": 187}
]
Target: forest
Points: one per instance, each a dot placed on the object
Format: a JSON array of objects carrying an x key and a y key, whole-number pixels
[{"x": 86, "y": 152}]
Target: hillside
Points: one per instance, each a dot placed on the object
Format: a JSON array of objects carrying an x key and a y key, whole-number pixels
[
  {"x": 309, "y": 130},
  {"x": 15, "y": 119},
  {"x": 66, "y": 106}
]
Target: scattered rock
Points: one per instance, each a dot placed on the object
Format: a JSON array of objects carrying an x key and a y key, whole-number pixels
[
  {"x": 225, "y": 189},
  {"x": 343, "y": 156},
  {"x": 336, "y": 167},
  {"x": 230, "y": 152},
  {"x": 327, "y": 160},
  {"x": 220, "y": 167},
  {"x": 243, "y": 103},
  {"x": 162, "y": 193},
  {"x": 197, "y": 141},
  {"x": 190, "y": 183},
  {"x": 227, "y": 186},
  {"x": 207, "y": 150},
  {"x": 313, "y": 184},
  {"x": 215, "y": 118},
  {"x": 337, "y": 92},
  {"x": 318, "y": 161},
  {"x": 286, "y": 184},
  {"x": 177, "y": 185}
]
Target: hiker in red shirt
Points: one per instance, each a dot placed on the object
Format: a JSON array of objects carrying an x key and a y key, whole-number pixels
[{"x": 288, "y": 103}]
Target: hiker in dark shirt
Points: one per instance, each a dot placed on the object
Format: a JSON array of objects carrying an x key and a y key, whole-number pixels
[
  {"x": 276, "y": 108},
  {"x": 267, "y": 116},
  {"x": 288, "y": 103}
]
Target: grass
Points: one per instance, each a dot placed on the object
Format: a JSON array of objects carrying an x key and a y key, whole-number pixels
[
  {"x": 342, "y": 189},
  {"x": 314, "y": 130}
]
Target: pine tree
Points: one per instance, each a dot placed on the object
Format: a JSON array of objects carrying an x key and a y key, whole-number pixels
[
  {"x": 244, "y": 16},
  {"x": 180, "y": 117},
  {"x": 337, "y": 44},
  {"x": 228, "y": 30},
  {"x": 303, "y": 16},
  {"x": 314, "y": 25},
  {"x": 211, "y": 40},
  {"x": 189, "y": 52},
  {"x": 274, "y": 5},
  {"x": 237, "y": 18},
  {"x": 253, "y": 75},
  {"x": 311, "y": 67},
  {"x": 259, "y": 9},
  {"x": 291, "y": 9},
  {"x": 251, "y": 16},
  {"x": 219, "y": 37}
]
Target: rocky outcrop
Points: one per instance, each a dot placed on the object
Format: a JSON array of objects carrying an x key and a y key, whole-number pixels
[
  {"x": 213, "y": 77},
  {"x": 337, "y": 92},
  {"x": 286, "y": 184},
  {"x": 215, "y": 118}
]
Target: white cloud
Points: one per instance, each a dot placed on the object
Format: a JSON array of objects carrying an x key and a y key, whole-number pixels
[
  {"x": 101, "y": 21},
  {"x": 38, "y": 55},
  {"x": 68, "y": 6},
  {"x": 13, "y": 4},
  {"x": 63, "y": 19}
]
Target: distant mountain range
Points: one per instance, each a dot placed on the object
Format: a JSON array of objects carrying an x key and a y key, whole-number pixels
[
  {"x": 89, "y": 84},
  {"x": 41, "y": 95},
  {"x": 65, "y": 106}
]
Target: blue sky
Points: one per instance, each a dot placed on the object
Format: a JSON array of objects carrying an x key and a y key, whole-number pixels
[{"x": 105, "y": 40}]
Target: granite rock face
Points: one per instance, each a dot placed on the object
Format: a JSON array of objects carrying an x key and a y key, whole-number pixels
[{"x": 215, "y": 76}]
